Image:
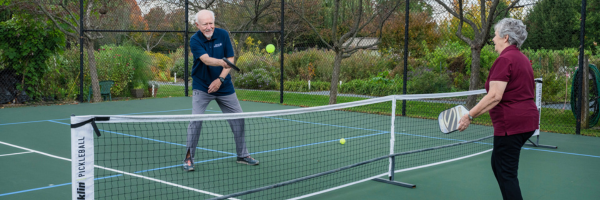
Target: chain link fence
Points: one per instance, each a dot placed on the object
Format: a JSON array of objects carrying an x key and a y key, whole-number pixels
[{"x": 326, "y": 51}]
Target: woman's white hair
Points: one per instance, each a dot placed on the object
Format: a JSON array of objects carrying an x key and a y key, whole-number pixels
[
  {"x": 514, "y": 28},
  {"x": 204, "y": 11}
]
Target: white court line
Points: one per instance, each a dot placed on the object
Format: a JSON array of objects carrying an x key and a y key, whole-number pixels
[
  {"x": 12, "y": 154},
  {"x": 387, "y": 173},
  {"x": 118, "y": 171}
]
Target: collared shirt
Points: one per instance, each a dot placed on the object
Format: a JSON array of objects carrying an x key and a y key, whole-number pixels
[
  {"x": 219, "y": 47},
  {"x": 516, "y": 113}
]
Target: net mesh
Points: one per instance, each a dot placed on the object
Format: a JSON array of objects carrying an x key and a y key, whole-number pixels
[
  {"x": 419, "y": 130},
  {"x": 140, "y": 157}
]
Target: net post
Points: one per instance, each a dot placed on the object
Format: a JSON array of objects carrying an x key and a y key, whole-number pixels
[
  {"x": 392, "y": 158},
  {"x": 82, "y": 159},
  {"x": 392, "y": 139},
  {"x": 538, "y": 104}
]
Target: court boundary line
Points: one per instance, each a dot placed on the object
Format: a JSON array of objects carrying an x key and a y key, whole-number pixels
[
  {"x": 154, "y": 140},
  {"x": 12, "y": 154},
  {"x": 117, "y": 171},
  {"x": 386, "y": 173}
]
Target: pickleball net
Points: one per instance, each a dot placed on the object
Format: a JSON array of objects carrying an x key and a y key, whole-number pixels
[{"x": 140, "y": 156}]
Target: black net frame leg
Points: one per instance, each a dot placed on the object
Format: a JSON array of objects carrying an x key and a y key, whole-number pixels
[
  {"x": 537, "y": 143},
  {"x": 538, "y": 102},
  {"x": 391, "y": 178}
]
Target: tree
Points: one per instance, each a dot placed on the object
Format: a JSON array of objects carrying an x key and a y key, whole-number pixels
[
  {"x": 65, "y": 17},
  {"x": 553, "y": 24},
  {"x": 357, "y": 14},
  {"x": 480, "y": 22},
  {"x": 155, "y": 19},
  {"x": 422, "y": 28},
  {"x": 26, "y": 44},
  {"x": 121, "y": 18}
]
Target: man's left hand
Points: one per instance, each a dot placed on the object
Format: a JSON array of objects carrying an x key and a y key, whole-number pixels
[{"x": 214, "y": 86}]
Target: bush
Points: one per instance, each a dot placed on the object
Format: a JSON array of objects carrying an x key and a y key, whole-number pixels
[
  {"x": 249, "y": 61},
  {"x": 124, "y": 65},
  {"x": 552, "y": 60},
  {"x": 62, "y": 80},
  {"x": 160, "y": 67},
  {"x": 366, "y": 63},
  {"x": 424, "y": 80},
  {"x": 178, "y": 67},
  {"x": 320, "y": 62},
  {"x": 302, "y": 86},
  {"x": 372, "y": 87},
  {"x": 556, "y": 87},
  {"x": 256, "y": 79},
  {"x": 160, "y": 61}
]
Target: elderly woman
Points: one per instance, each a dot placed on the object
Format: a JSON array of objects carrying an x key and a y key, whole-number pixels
[{"x": 510, "y": 93}]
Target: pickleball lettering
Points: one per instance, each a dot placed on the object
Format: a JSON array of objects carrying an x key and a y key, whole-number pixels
[{"x": 81, "y": 155}]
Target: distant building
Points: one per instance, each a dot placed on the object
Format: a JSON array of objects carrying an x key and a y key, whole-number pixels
[{"x": 362, "y": 42}]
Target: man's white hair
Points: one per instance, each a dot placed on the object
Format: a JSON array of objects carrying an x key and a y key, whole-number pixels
[{"x": 203, "y": 12}]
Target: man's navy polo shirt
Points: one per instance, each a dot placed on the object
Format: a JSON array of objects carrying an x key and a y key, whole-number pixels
[{"x": 219, "y": 47}]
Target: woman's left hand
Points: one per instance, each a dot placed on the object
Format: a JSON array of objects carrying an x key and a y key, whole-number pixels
[{"x": 464, "y": 122}]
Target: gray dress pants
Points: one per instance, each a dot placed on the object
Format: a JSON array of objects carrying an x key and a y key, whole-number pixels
[{"x": 228, "y": 104}]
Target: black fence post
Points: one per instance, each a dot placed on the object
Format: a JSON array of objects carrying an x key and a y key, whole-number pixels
[
  {"x": 185, "y": 46},
  {"x": 281, "y": 46},
  {"x": 405, "y": 78},
  {"x": 80, "y": 51},
  {"x": 581, "y": 66}
]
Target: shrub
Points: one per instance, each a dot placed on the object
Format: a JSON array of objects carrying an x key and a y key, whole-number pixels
[
  {"x": 160, "y": 61},
  {"x": 256, "y": 79},
  {"x": 366, "y": 63},
  {"x": 122, "y": 64},
  {"x": 424, "y": 80},
  {"x": 62, "y": 80},
  {"x": 248, "y": 62},
  {"x": 556, "y": 86},
  {"x": 372, "y": 87},
  {"x": 160, "y": 67},
  {"x": 302, "y": 86},
  {"x": 179, "y": 69},
  {"x": 297, "y": 64}
]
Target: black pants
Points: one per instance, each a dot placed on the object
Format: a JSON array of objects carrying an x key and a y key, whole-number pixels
[{"x": 505, "y": 163}]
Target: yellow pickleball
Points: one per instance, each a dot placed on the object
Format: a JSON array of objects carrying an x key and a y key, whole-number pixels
[
  {"x": 270, "y": 48},
  {"x": 342, "y": 141}
]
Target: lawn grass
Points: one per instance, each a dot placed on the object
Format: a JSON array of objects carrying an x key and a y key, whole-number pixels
[{"x": 553, "y": 120}]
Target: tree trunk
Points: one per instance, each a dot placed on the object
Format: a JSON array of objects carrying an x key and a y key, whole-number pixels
[
  {"x": 93, "y": 72},
  {"x": 474, "y": 81},
  {"x": 335, "y": 78}
]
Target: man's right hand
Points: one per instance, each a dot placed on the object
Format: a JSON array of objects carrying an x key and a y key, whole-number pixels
[
  {"x": 224, "y": 64},
  {"x": 214, "y": 61}
]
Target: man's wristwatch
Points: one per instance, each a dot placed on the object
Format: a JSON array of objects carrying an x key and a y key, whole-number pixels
[
  {"x": 222, "y": 79},
  {"x": 470, "y": 117}
]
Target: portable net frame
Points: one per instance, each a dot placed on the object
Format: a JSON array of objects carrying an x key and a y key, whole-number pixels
[{"x": 140, "y": 157}]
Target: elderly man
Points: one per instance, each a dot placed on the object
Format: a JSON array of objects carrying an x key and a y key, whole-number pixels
[
  {"x": 511, "y": 90},
  {"x": 211, "y": 81}
]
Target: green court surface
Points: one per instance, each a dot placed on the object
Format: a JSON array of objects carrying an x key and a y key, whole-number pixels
[{"x": 35, "y": 151}]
